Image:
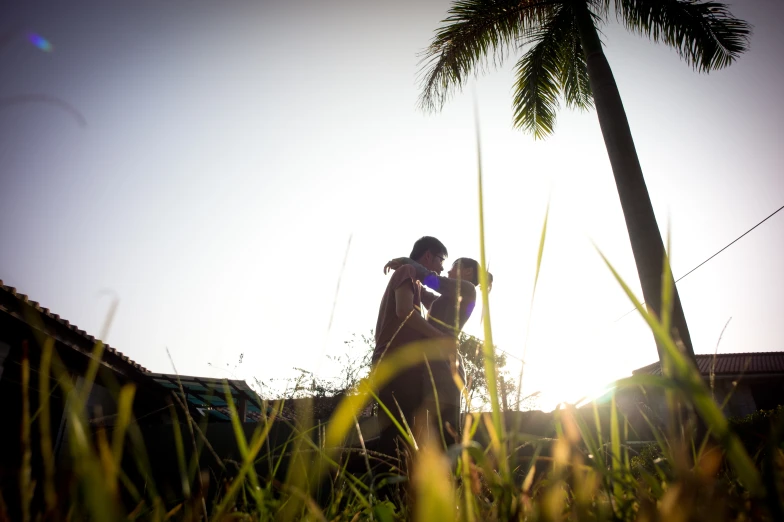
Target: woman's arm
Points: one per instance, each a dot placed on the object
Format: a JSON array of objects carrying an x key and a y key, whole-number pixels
[
  {"x": 443, "y": 285},
  {"x": 404, "y": 309}
]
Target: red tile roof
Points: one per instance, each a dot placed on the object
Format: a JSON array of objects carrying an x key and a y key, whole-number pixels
[
  {"x": 730, "y": 364},
  {"x": 46, "y": 313}
]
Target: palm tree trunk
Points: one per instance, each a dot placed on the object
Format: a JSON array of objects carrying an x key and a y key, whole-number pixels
[{"x": 641, "y": 223}]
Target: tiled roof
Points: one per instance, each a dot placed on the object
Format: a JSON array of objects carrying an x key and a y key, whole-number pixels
[
  {"x": 208, "y": 394},
  {"x": 22, "y": 298},
  {"x": 730, "y": 364}
]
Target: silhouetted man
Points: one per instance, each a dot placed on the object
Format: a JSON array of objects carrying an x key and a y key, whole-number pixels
[
  {"x": 400, "y": 322},
  {"x": 447, "y": 316}
]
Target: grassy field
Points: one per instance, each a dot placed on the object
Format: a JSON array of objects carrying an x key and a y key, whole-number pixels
[{"x": 711, "y": 469}]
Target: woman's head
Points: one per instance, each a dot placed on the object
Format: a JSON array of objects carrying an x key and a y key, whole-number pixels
[{"x": 467, "y": 269}]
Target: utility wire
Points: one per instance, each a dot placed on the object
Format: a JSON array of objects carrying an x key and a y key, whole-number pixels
[
  {"x": 684, "y": 275},
  {"x": 729, "y": 245},
  {"x": 714, "y": 255}
]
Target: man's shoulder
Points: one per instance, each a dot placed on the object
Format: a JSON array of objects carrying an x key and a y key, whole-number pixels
[{"x": 405, "y": 272}]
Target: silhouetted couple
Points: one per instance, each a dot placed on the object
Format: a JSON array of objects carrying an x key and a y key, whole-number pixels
[{"x": 401, "y": 320}]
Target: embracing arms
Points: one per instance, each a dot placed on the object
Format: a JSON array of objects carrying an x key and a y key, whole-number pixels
[
  {"x": 405, "y": 311},
  {"x": 443, "y": 285}
]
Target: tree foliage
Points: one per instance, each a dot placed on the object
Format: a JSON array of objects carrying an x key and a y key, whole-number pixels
[
  {"x": 354, "y": 364},
  {"x": 480, "y": 33},
  {"x": 470, "y": 348}
]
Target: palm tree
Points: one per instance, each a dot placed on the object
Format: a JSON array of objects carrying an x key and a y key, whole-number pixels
[{"x": 564, "y": 58}]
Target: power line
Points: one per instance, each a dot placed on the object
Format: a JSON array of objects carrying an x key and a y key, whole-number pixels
[
  {"x": 510, "y": 355},
  {"x": 684, "y": 275},
  {"x": 714, "y": 255},
  {"x": 729, "y": 245}
]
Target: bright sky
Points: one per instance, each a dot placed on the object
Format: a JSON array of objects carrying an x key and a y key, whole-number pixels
[{"x": 232, "y": 149}]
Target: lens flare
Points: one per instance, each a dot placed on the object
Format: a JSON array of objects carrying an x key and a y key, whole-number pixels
[
  {"x": 40, "y": 42},
  {"x": 431, "y": 281}
]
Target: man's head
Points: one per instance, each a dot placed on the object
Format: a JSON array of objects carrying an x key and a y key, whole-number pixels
[
  {"x": 429, "y": 252},
  {"x": 467, "y": 269}
]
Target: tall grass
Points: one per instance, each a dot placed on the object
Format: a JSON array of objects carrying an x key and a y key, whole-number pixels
[{"x": 582, "y": 472}]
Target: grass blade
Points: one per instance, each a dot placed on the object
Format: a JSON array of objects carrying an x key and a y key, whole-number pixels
[
  {"x": 435, "y": 492},
  {"x": 539, "y": 255},
  {"x": 488, "y": 347},
  {"x": 700, "y": 396},
  {"x": 44, "y": 425},
  {"x": 25, "y": 471}
]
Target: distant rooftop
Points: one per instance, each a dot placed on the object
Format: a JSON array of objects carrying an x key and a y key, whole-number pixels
[
  {"x": 13, "y": 303},
  {"x": 730, "y": 364},
  {"x": 208, "y": 394}
]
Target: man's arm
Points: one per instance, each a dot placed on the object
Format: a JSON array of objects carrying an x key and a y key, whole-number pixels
[
  {"x": 453, "y": 287},
  {"x": 404, "y": 309}
]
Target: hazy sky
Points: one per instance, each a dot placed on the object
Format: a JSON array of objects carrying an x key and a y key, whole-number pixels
[{"x": 233, "y": 148}]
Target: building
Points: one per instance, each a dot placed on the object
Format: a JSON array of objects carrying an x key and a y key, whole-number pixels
[
  {"x": 747, "y": 382},
  {"x": 26, "y": 328}
]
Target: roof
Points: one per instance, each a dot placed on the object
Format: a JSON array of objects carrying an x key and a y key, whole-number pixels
[
  {"x": 204, "y": 393},
  {"x": 730, "y": 364},
  {"x": 208, "y": 394},
  {"x": 16, "y": 305}
]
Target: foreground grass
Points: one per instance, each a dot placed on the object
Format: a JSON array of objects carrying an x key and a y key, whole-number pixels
[
  {"x": 694, "y": 471},
  {"x": 698, "y": 469}
]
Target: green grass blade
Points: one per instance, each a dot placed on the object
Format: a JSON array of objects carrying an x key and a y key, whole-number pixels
[
  {"x": 668, "y": 289},
  {"x": 91, "y": 373},
  {"x": 491, "y": 374},
  {"x": 87, "y": 466},
  {"x": 404, "y": 431},
  {"x": 179, "y": 448},
  {"x": 615, "y": 453},
  {"x": 615, "y": 443},
  {"x": 112, "y": 455},
  {"x": 434, "y": 489},
  {"x": 248, "y": 463},
  {"x": 242, "y": 444},
  {"x": 438, "y": 406},
  {"x": 593, "y": 445},
  {"x": 539, "y": 255},
  {"x": 469, "y": 501},
  {"x": 25, "y": 471},
  {"x": 714, "y": 419},
  {"x": 44, "y": 425}
]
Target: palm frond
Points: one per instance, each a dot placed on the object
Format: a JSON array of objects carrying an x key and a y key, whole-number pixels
[
  {"x": 574, "y": 71},
  {"x": 539, "y": 75},
  {"x": 705, "y": 34},
  {"x": 475, "y": 33}
]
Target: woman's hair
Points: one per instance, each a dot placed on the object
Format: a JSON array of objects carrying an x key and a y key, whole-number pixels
[{"x": 467, "y": 262}]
